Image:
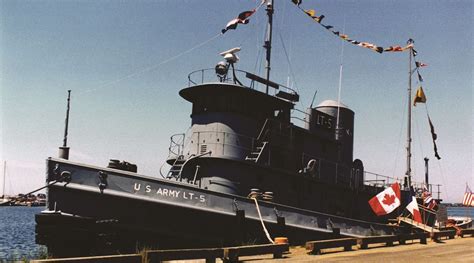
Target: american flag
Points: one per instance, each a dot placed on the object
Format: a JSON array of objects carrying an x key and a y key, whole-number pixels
[
  {"x": 428, "y": 200},
  {"x": 468, "y": 197}
]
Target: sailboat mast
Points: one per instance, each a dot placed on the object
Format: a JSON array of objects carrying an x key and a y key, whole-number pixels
[
  {"x": 408, "y": 172},
  {"x": 4, "y": 176},
  {"x": 268, "y": 41}
]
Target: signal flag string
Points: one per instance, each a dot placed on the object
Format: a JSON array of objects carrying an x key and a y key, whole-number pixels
[{"x": 318, "y": 19}]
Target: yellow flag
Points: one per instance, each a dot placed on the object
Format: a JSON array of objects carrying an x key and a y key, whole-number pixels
[
  {"x": 419, "y": 97},
  {"x": 310, "y": 12}
]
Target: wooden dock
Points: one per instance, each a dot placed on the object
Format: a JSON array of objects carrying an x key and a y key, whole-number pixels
[
  {"x": 227, "y": 254},
  {"x": 401, "y": 248}
]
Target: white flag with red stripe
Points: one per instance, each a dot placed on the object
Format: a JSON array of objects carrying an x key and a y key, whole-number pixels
[
  {"x": 468, "y": 199},
  {"x": 428, "y": 200},
  {"x": 386, "y": 201},
  {"x": 414, "y": 210}
]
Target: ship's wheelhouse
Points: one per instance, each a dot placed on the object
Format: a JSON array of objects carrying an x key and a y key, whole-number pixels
[
  {"x": 226, "y": 118},
  {"x": 230, "y": 98}
]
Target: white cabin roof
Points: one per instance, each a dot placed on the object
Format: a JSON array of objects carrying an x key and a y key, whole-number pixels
[{"x": 332, "y": 103}]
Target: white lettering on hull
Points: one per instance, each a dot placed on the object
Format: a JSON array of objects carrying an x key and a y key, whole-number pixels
[
  {"x": 136, "y": 188},
  {"x": 165, "y": 192}
]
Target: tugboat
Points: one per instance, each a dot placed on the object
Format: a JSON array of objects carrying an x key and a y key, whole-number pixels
[{"x": 242, "y": 172}]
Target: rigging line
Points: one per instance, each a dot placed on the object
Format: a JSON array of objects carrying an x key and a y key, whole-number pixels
[
  {"x": 399, "y": 138},
  {"x": 289, "y": 63},
  {"x": 286, "y": 21},
  {"x": 444, "y": 182},
  {"x": 283, "y": 14},
  {"x": 340, "y": 79},
  {"x": 290, "y": 83},
  {"x": 259, "y": 48},
  {"x": 438, "y": 161},
  {"x": 262, "y": 2},
  {"x": 255, "y": 25},
  {"x": 150, "y": 68},
  {"x": 418, "y": 134},
  {"x": 259, "y": 59}
]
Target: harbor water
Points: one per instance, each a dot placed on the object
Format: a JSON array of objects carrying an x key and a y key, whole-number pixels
[
  {"x": 17, "y": 231},
  {"x": 461, "y": 211},
  {"x": 17, "y": 234}
]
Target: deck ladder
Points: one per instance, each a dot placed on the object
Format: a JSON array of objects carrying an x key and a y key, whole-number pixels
[{"x": 255, "y": 155}]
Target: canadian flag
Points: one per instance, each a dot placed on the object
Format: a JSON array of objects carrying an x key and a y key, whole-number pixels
[
  {"x": 386, "y": 201},
  {"x": 414, "y": 210}
]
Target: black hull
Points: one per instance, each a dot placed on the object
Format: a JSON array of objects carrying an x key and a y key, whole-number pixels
[{"x": 133, "y": 211}]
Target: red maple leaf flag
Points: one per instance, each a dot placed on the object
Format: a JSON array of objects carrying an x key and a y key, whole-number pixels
[{"x": 386, "y": 201}]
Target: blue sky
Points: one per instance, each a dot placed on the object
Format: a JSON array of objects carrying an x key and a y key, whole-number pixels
[{"x": 125, "y": 62}]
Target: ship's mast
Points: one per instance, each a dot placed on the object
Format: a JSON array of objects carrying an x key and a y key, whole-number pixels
[
  {"x": 268, "y": 41},
  {"x": 408, "y": 172},
  {"x": 64, "y": 150}
]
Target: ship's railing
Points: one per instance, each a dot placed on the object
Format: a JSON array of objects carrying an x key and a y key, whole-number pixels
[
  {"x": 379, "y": 180},
  {"x": 176, "y": 144},
  {"x": 240, "y": 78},
  {"x": 300, "y": 117},
  {"x": 434, "y": 189}
]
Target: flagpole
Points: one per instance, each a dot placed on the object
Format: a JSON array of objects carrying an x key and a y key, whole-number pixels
[
  {"x": 408, "y": 148},
  {"x": 268, "y": 41}
]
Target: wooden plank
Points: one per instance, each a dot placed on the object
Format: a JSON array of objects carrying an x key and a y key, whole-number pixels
[
  {"x": 469, "y": 231},
  {"x": 446, "y": 233},
  {"x": 417, "y": 225},
  {"x": 210, "y": 254},
  {"x": 388, "y": 240},
  {"x": 129, "y": 258},
  {"x": 402, "y": 238},
  {"x": 316, "y": 246},
  {"x": 232, "y": 254}
]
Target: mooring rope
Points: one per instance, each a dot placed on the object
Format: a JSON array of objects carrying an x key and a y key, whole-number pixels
[
  {"x": 261, "y": 221},
  {"x": 41, "y": 188},
  {"x": 63, "y": 177}
]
